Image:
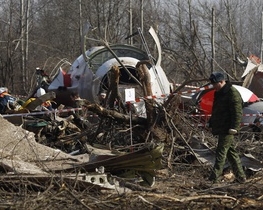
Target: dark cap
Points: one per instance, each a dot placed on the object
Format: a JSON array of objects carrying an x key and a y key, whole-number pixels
[{"x": 216, "y": 77}]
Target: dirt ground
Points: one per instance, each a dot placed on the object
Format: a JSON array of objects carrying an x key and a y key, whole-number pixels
[
  {"x": 187, "y": 188},
  {"x": 184, "y": 187}
]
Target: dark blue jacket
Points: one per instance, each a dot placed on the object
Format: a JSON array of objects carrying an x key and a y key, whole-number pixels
[{"x": 5, "y": 101}]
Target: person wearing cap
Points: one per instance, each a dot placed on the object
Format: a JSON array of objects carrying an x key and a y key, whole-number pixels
[
  {"x": 7, "y": 101},
  {"x": 74, "y": 96},
  {"x": 225, "y": 123},
  {"x": 102, "y": 97}
]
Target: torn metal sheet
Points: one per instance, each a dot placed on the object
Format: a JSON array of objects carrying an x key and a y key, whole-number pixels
[
  {"x": 207, "y": 156},
  {"x": 251, "y": 162}
]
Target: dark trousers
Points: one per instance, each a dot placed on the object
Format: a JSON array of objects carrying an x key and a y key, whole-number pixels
[{"x": 226, "y": 150}]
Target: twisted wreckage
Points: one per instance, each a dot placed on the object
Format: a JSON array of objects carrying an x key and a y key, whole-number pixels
[
  {"x": 102, "y": 143},
  {"x": 91, "y": 141}
]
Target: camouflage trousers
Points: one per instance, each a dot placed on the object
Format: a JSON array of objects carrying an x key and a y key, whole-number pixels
[{"x": 226, "y": 151}]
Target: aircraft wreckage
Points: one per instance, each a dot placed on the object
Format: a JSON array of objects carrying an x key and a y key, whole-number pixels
[
  {"x": 118, "y": 123},
  {"x": 89, "y": 75},
  {"x": 128, "y": 136}
]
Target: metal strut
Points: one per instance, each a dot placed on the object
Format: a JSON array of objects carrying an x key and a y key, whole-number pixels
[{"x": 151, "y": 60}]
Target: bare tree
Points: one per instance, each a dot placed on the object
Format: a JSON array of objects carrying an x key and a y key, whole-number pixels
[
  {"x": 9, "y": 39},
  {"x": 46, "y": 32},
  {"x": 24, "y": 13}
]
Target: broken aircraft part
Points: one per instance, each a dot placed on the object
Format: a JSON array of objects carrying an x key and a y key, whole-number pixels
[{"x": 91, "y": 77}]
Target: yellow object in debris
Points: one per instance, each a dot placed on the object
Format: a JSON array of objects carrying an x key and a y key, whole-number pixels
[{"x": 27, "y": 102}]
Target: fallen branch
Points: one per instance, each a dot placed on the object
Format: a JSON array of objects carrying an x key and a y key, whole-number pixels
[
  {"x": 152, "y": 204},
  {"x": 192, "y": 198},
  {"x": 111, "y": 113}
]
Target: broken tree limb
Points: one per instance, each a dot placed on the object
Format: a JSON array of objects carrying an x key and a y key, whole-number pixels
[
  {"x": 101, "y": 111},
  {"x": 113, "y": 93},
  {"x": 169, "y": 101},
  {"x": 148, "y": 202},
  {"x": 193, "y": 198},
  {"x": 179, "y": 133},
  {"x": 78, "y": 199},
  {"x": 114, "y": 96},
  {"x": 145, "y": 79}
]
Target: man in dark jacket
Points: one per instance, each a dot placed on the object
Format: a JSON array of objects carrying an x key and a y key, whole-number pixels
[{"x": 225, "y": 122}]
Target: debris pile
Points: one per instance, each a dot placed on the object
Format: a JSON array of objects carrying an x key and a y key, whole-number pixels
[{"x": 154, "y": 163}]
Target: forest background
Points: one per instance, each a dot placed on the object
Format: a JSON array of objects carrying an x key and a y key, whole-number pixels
[{"x": 197, "y": 36}]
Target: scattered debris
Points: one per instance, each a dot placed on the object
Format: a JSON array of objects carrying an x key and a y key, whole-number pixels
[{"x": 148, "y": 145}]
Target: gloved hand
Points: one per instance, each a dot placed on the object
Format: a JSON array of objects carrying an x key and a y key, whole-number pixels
[{"x": 232, "y": 131}]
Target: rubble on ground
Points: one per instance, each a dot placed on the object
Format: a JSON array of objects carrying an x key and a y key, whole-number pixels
[
  {"x": 180, "y": 181},
  {"x": 99, "y": 157}
]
